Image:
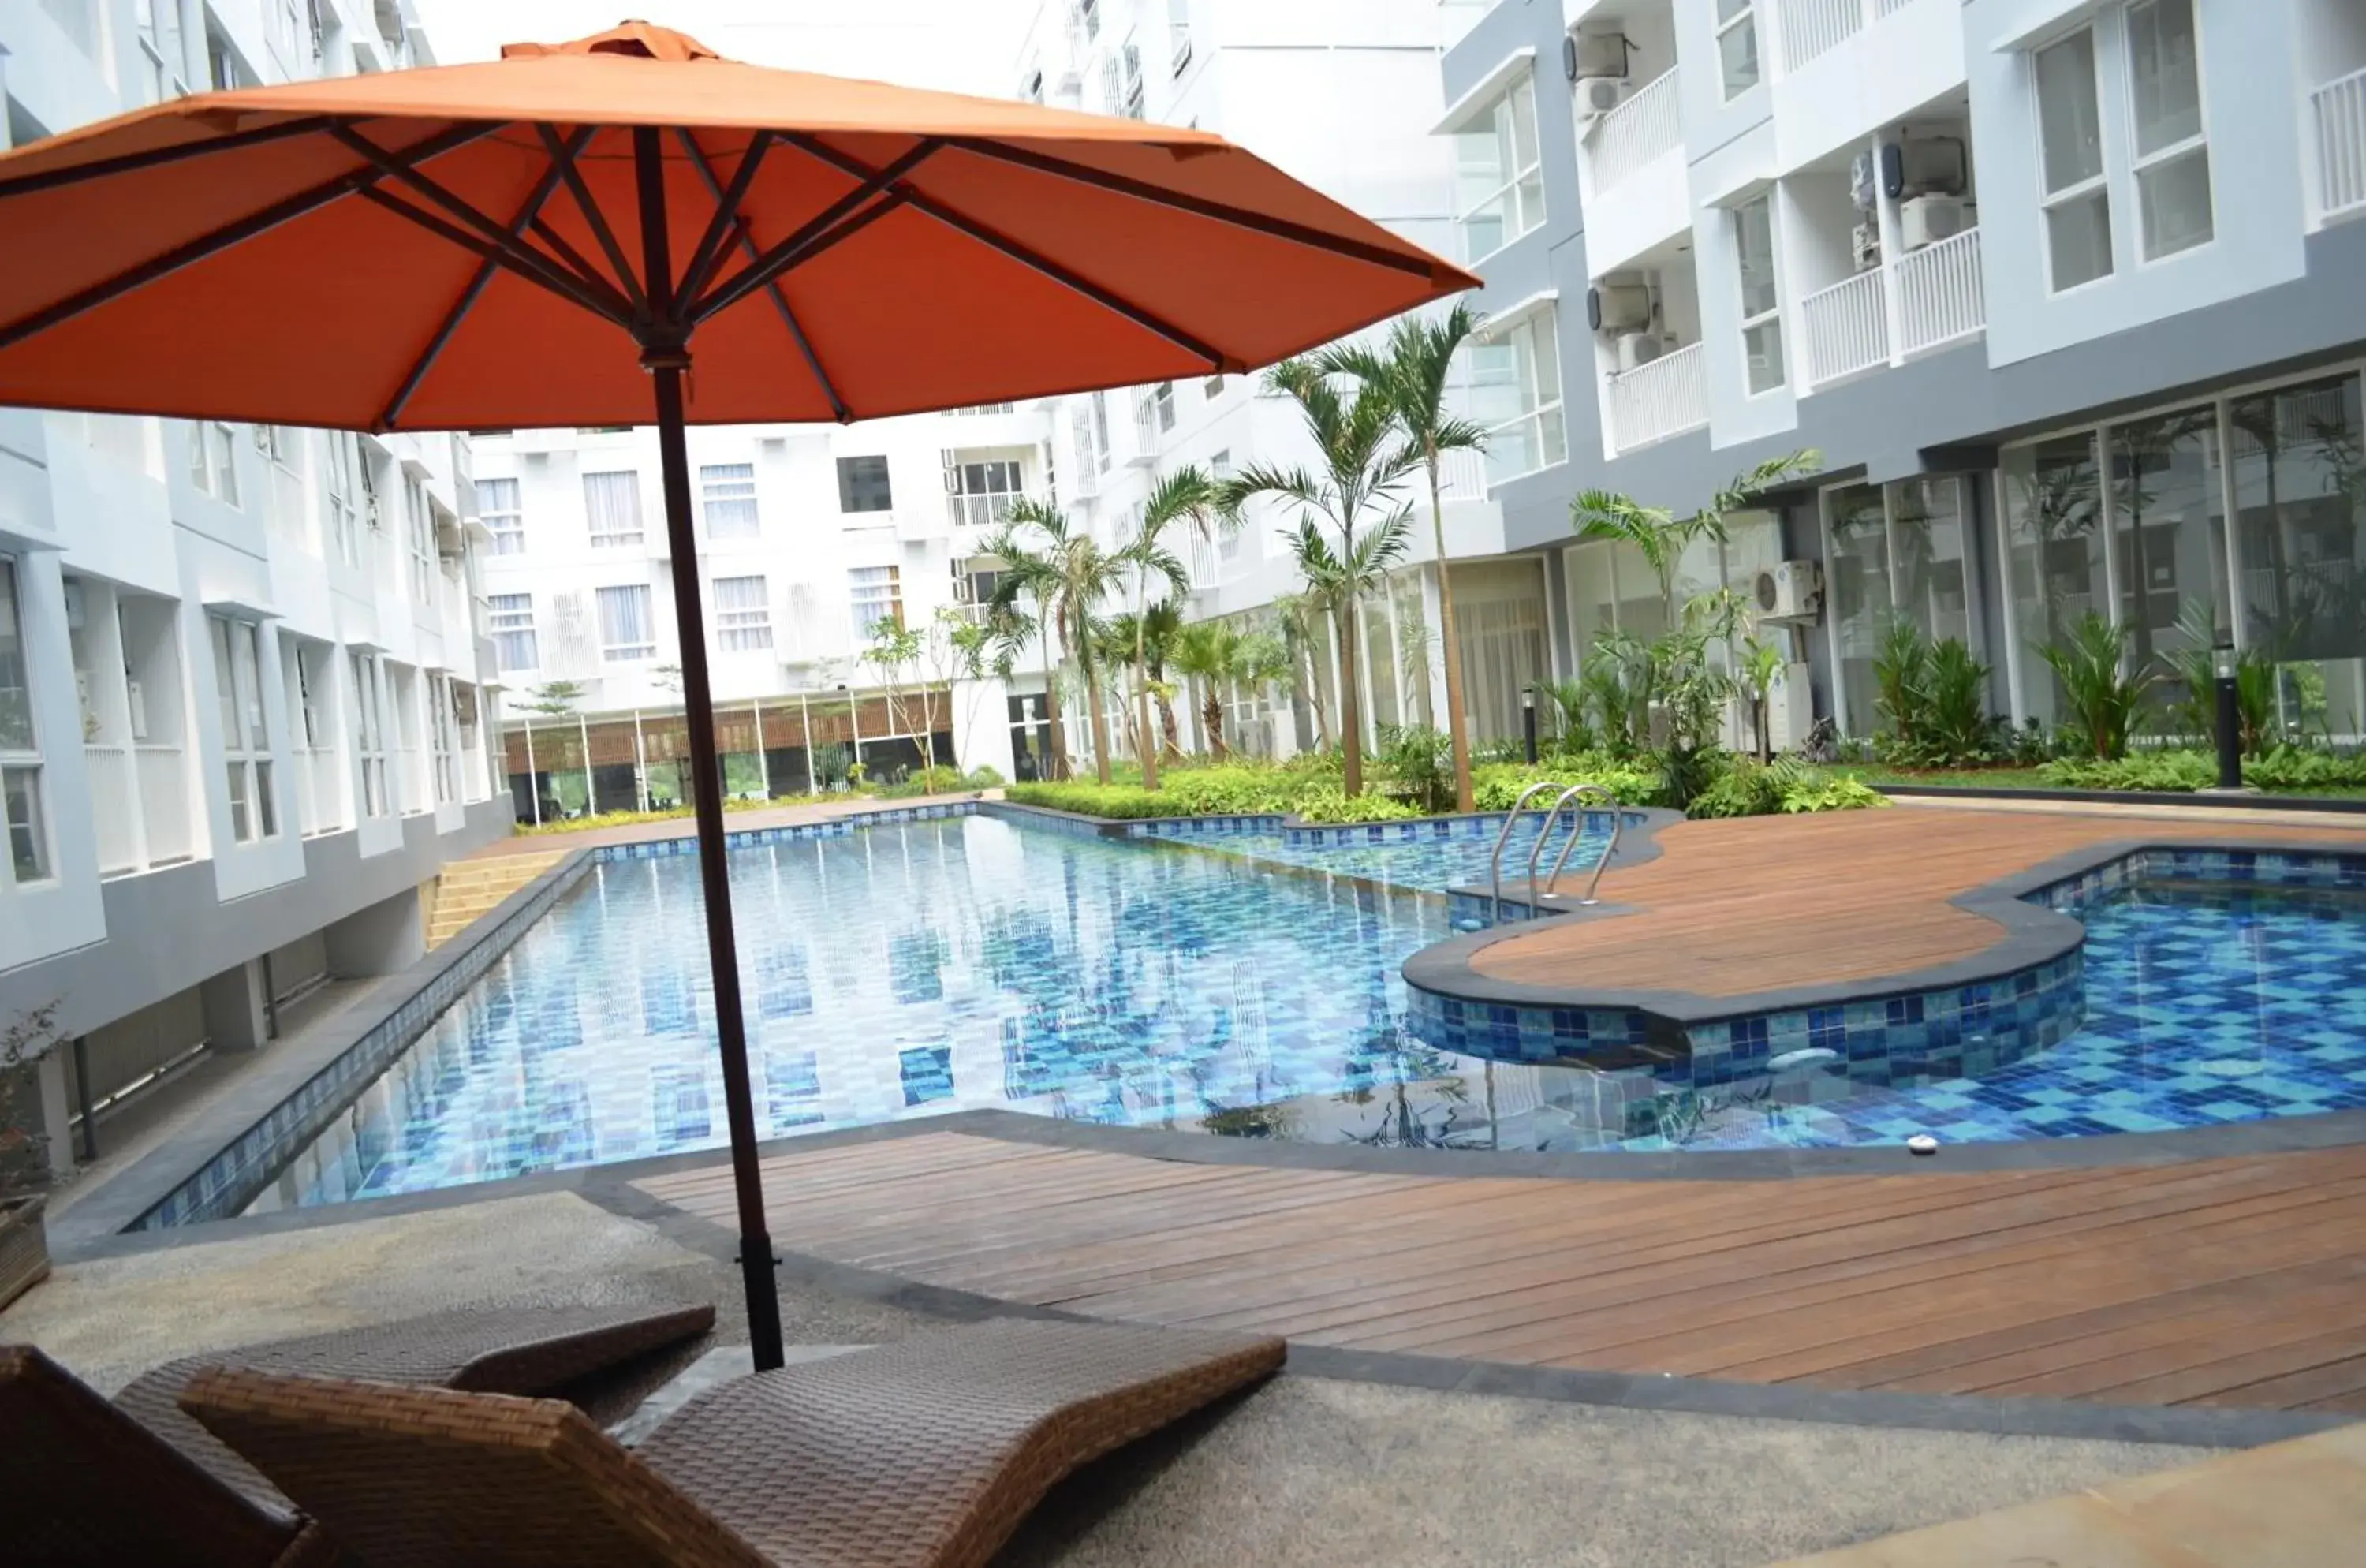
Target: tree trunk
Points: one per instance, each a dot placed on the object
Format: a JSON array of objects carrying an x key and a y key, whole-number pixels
[
  {"x": 1212, "y": 715},
  {"x": 1099, "y": 718},
  {"x": 1351, "y": 725},
  {"x": 1168, "y": 733},
  {"x": 1057, "y": 762},
  {"x": 1145, "y": 750},
  {"x": 1456, "y": 727}
]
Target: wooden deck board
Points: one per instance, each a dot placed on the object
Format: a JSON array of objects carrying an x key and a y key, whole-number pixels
[
  {"x": 2232, "y": 1282},
  {"x": 1756, "y": 904}
]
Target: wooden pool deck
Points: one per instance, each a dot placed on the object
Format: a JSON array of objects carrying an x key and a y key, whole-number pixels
[
  {"x": 1763, "y": 903},
  {"x": 2167, "y": 1280},
  {"x": 2217, "y": 1282}
]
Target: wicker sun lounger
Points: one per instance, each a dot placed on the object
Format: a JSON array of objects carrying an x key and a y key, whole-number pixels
[
  {"x": 83, "y": 1480},
  {"x": 930, "y": 1451}
]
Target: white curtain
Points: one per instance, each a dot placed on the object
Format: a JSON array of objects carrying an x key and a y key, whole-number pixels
[
  {"x": 613, "y": 502},
  {"x": 1499, "y": 617},
  {"x": 730, "y": 496},
  {"x": 624, "y": 628}
]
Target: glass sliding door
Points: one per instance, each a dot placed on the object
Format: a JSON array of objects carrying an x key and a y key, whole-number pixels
[
  {"x": 2169, "y": 538},
  {"x": 2054, "y": 566},
  {"x": 1927, "y": 535},
  {"x": 1857, "y": 567},
  {"x": 2299, "y": 459}
]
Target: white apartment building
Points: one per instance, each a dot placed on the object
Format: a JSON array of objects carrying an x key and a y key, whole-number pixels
[
  {"x": 808, "y": 536},
  {"x": 2065, "y": 293},
  {"x": 244, "y": 690},
  {"x": 1345, "y": 98}
]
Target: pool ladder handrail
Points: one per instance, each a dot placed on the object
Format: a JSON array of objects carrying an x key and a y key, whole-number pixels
[
  {"x": 1610, "y": 846},
  {"x": 1495, "y": 859}
]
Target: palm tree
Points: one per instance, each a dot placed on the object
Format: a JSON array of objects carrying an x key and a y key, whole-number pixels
[
  {"x": 1214, "y": 655},
  {"x": 1412, "y": 374},
  {"x": 1299, "y": 616},
  {"x": 1661, "y": 537},
  {"x": 1355, "y": 497},
  {"x": 1162, "y": 624},
  {"x": 1185, "y": 497},
  {"x": 1068, "y": 576}
]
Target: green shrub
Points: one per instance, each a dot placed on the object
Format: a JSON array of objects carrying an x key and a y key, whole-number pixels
[
  {"x": 1334, "y": 807},
  {"x": 1745, "y": 789},
  {"x": 1419, "y": 763},
  {"x": 982, "y": 778},
  {"x": 939, "y": 780},
  {"x": 1845, "y": 792},
  {"x": 2164, "y": 773},
  {"x": 1497, "y": 786},
  {"x": 2294, "y": 767},
  {"x": 1116, "y": 801},
  {"x": 2105, "y": 699}
]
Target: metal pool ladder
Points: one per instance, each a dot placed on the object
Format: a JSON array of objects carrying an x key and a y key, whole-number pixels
[{"x": 1582, "y": 793}]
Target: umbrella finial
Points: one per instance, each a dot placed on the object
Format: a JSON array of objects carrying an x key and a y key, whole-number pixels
[{"x": 634, "y": 39}]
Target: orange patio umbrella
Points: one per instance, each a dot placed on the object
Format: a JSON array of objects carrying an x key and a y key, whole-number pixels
[{"x": 628, "y": 228}]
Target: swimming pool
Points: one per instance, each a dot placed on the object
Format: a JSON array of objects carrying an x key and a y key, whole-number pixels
[{"x": 1243, "y": 986}]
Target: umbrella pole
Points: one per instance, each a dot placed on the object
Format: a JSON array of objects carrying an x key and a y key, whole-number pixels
[{"x": 666, "y": 364}]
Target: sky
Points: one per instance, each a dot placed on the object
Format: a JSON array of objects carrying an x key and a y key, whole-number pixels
[{"x": 968, "y": 46}]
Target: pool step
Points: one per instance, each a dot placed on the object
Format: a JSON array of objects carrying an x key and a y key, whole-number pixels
[{"x": 468, "y": 890}]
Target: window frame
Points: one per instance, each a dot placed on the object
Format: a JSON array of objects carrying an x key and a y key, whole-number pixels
[
  {"x": 2099, "y": 183},
  {"x": 626, "y": 652},
  {"x": 1521, "y": 82},
  {"x": 23, "y": 762},
  {"x": 740, "y": 628},
  {"x": 1720, "y": 27},
  {"x": 857, "y": 580},
  {"x": 506, "y": 523},
  {"x": 2141, "y": 162},
  {"x": 239, "y": 663},
  {"x": 996, "y": 500},
  {"x": 213, "y": 459},
  {"x": 615, "y": 538},
  {"x": 1746, "y": 323},
  {"x": 728, "y": 494},
  {"x": 851, "y": 489},
  {"x": 418, "y": 530},
  {"x": 1544, "y": 327},
  {"x": 370, "y": 731},
  {"x": 509, "y": 618}
]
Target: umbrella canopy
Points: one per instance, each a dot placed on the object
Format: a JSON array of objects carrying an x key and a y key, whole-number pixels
[
  {"x": 462, "y": 247},
  {"x": 628, "y": 229}
]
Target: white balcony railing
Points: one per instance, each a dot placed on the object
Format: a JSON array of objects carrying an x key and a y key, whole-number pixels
[
  {"x": 1654, "y": 402},
  {"x": 978, "y": 510},
  {"x": 163, "y": 776},
  {"x": 114, "y": 807},
  {"x": 1848, "y": 327},
  {"x": 1628, "y": 139},
  {"x": 1891, "y": 7},
  {"x": 2337, "y": 111},
  {"x": 320, "y": 799},
  {"x": 1812, "y": 28},
  {"x": 1940, "y": 297},
  {"x": 1461, "y": 476}
]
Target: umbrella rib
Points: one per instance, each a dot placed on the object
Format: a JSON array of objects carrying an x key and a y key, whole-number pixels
[
  {"x": 355, "y": 182},
  {"x": 1264, "y": 223},
  {"x": 1026, "y": 255},
  {"x": 565, "y": 159},
  {"x": 155, "y": 157},
  {"x": 810, "y": 238},
  {"x": 461, "y": 306},
  {"x": 561, "y": 285},
  {"x": 708, "y": 253},
  {"x": 516, "y": 254},
  {"x": 780, "y": 301}
]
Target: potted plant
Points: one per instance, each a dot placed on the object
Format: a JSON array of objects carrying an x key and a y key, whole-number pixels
[{"x": 23, "y": 1151}]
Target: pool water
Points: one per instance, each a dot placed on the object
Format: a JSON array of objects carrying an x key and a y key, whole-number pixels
[
  {"x": 1433, "y": 864},
  {"x": 1226, "y": 985}
]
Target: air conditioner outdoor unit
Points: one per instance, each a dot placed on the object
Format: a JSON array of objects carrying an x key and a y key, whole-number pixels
[
  {"x": 1924, "y": 165},
  {"x": 1639, "y": 349},
  {"x": 1865, "y": 245},
  {"x": 1584, "y": 54},
  {"x": 1927, "y": 220},
  {"x": 1597, "y": 96},
  {"x": 1793, "y": 591},
  {"x": 1790, "y": 709},
  {"x": 1618, "y": 308}
]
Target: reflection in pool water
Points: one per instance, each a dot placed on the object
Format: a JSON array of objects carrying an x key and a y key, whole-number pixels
[{"x": 972, "y": 963}]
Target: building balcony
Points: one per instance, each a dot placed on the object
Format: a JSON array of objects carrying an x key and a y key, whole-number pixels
[
  {"x": 140, "y": 806},
  {"x": 2336, "y": 115},
  {"x": 1812, "y": 28},
  {"x": 1932, "y": 298},
  {"x": 1644, "y": 128},
  {"x": 1666, "y": 398}
]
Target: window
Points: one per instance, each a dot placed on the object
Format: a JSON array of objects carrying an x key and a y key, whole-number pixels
[
  {"x": 159, "y": 25},
  {"x": 443, "y": 737},
  {"x": 246, "y": 737},
  {"x": 369, "y": 733},
  {"x": 1212, "y": 387},
  {"x": 863, "y": 485},
  {"x": 515, "y": 647},
  {"x": 627, "y": 632},
  {"x": 1162, "y": 398},
  {"x": 277, "y": 443},
  {"x": 1762, "y": 301},
  {"x": 344, "y": 476},
  {"x": 875, "y": 596},
  {"x": 1134, "y": 104},
  {"x": 497, "y": 506},
  {"x": 1737, "y": 47},
  {"x": 20, "y": 753},
  {"x": 743, "y": 615},
  {"x": 2077, "y": 200},
  {"x": 213, "y": 461},
  {"x": 1516, "y": 392},
  {"x": 419, "y": 524},
  {"x": 2171, "y": 161},
  {"x": 1089, "y": 13},
  {"x": 980, "y": 494},
  {"x": 1499, "y": 188},
  {"x": 728, "y": 492},
  {"x": 1178, "y": 34},
  {"x": 1100, "y": 430},
  {"x": 613, "y": 502}
]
